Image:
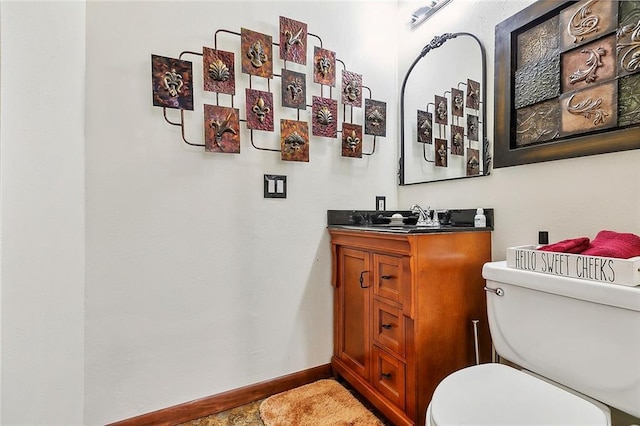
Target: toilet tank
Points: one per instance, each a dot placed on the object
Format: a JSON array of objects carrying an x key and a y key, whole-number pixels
[{"x": 582, "y": 334}]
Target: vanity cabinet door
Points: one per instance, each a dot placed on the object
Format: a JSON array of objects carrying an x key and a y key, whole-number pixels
[{"x": 354, "y": 282}]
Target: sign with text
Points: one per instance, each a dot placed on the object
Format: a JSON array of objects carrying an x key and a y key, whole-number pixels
[{"x": 594, "y": 268}]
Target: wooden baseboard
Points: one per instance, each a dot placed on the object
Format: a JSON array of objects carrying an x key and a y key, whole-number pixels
[{"x": 224, "y": 401}]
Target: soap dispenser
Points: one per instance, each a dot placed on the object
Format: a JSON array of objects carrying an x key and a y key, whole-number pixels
[{"x": 480, "y": 221}]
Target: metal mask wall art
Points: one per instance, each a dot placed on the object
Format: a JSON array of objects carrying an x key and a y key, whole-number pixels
[
  {"x": 259, "y": 110},
  {"x": 473, "y": 94},
  {"x": 457, "y": 140},
  {"x": 324, "y": 117},
  {"x": 324, "y": 66},
  {"x": 172, "y": 81},
  {"x": 457, "y": 102},
  {"x": 294, "y": 89},
  {"x": 221, "y": 129},
  {"x": 425, "y": 127},
  {"x": 472, "y": 127},
  {"x": 293, "y": 40},
  {"x": 294, "y": 140},
  {"x": 442, "y": 157},
  {"x": 375, "y": 117},
  {"x": 351, "y": 140},
  {"x": 352, "y": 89},
  {"x": 473, "y": 162},
  {"x": 218, "y": 71},
  {"x": 441, "y": 115},
  {"x": 256, "y": 53}
]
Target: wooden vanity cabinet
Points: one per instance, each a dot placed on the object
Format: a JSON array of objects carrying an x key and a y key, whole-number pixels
[{"x": 403, "y": 311}]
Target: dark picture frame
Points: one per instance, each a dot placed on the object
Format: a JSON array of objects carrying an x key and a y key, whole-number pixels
[{"x": 506, "y": 153}]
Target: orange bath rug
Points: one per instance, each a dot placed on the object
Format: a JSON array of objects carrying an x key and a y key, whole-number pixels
[{"x": 324, "y": 402}]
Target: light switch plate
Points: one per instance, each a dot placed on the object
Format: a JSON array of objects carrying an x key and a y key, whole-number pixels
[
  {"x": 275, "y": 186},
  {"x": 381, "y": 203}
]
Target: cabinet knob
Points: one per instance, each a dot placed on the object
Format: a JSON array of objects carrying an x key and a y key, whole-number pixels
[
  {"x": 386, "y": 376},
  {"x": 362, "y": 279},
  {"x": 386, "y": 277},
  {"x": 386, "y": 326}
]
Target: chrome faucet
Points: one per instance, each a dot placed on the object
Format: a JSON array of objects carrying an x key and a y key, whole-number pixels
[{"x": 423, "y": 216}]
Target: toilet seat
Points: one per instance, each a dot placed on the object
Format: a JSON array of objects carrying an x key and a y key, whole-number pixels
[{"x": 495, "y": 394}]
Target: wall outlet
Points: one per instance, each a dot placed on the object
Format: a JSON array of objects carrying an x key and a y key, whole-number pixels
[{"x": 381, "y": 202}]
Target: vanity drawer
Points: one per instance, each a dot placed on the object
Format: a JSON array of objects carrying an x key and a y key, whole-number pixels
[
  {"x": 389, "y": 377},
  {"x": 388, "y": 277},
  {"x": 389, "y": 330}
]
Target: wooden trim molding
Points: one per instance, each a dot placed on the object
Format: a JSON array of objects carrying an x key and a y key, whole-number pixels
[{"x": 224, "y": 401}]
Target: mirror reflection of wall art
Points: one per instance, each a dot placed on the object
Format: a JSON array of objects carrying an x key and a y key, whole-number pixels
[
  {"x": 221, "y": 129},
  {"x": 375, "y": 117},
  {"x": 351, "y": 140},
  {"x": 218, "y": 71},
  {"x": 441, "y": 115},
  {"x": 259, "y": 110},
  {"x": 172, "y": 81},
  {"x": 352, "y": 89},
  {"x": 563, "y": 88},
  {"x": 425, "y": 127},
  {"x": 472, "y": 127},
  {"x": 256, "y": 53},
  {"x": 441, "y": 147},
  {"x": 473, "y": 162},
  {"x": 324, "y": 117},
  {"x": 457, "y": 140},
  {"x": 294, "y": 140},
  {"x": 294, "y": 89},
  {"x": 473, "y": 94},
  {"x": 324, "y": 66},
  {"x": 293, "y": 41},
  {"x": 457, "y": 102}
]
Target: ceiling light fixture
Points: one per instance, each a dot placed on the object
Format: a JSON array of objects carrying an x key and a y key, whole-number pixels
[{"x": 422, "y": 14}]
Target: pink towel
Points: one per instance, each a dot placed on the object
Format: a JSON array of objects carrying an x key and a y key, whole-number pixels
[
  {"x": 614, "y": 244},
  {"x": 572, "y": 245}
]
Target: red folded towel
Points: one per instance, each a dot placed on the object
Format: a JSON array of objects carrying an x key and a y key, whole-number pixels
[
  {"x": 572, "y": 245},
  {"x": 614, "y": 244}
]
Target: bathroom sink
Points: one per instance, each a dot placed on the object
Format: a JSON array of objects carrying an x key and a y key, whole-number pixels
[{"x": 403, "y": 229}]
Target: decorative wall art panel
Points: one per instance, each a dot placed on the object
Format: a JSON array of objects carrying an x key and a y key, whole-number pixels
[
  {"x": 457, "y": 140},
  {"x": 537, "y": 82},
  {"x": 351, "y": 140},
  {"x": 473, "y": 94},
  {"x": 589, "y": 64},
  {"x": 259, "y": 110},
  {"x": 324, "y": 66},
  {"x": 586, "y": 21},
  {"x": 538, "y": 123},
  {"x": 221, "y": 129},
  {"x": 375, "y": 117},
  {"x": 629, "y": 100},
  {"x": 218, "y": 71},
  {"x": 593, "y": 111},
  {"x": 473, "y": 162},
  {"x": 172, "y": 81},
  {"x": 294, "y": 89},
  {"x": 425, "y": 127},
  {"x": 324, "y": 117},
  {"x": 294, "y": 140},
  {"x": 473, "y": 125},
  {"x": 441, "y": 146},
  {"x": 540, "y": 43},
  {"x": 293, "y": 41},
  {"x": 628, "y": 34},
  {"x": 457, "y": 102},
  {"x": 352, "y": 89},
  {"x": 257, "y": 58},
  {"x": 595, "y": 108},
  {"x": 441, "y": 115}
]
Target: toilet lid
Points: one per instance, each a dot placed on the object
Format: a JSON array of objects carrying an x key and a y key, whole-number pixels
[{"x": 494, "y": 394}]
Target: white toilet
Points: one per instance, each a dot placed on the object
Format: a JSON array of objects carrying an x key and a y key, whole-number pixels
[{"x": 578, "y": 342}]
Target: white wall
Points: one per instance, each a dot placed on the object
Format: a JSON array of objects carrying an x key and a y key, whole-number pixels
[
  {"x": 196, "y": 284},
  {"x": 42, "y": 196},
  {"x": 568, "y": 198}
]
